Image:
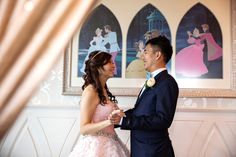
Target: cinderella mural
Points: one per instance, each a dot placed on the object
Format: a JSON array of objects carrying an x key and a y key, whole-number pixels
[{"x": 199, "y": 52}]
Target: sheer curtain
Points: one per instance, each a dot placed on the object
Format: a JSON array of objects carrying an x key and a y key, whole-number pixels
[{"x": 33, "y": 36}]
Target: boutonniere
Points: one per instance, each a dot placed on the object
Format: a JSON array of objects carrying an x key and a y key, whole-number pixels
[{"x": 150, "y": 82}]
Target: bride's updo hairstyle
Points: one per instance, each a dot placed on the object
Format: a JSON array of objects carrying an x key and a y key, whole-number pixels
[{"x": 97, "y": 60}]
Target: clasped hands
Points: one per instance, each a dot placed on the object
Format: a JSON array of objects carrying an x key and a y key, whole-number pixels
[{"x": 116, "y": 116}]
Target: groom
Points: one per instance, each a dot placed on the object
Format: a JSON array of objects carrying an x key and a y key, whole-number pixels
[{"x": 155, "y": 107}]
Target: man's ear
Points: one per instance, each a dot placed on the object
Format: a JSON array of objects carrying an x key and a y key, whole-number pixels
[{"x": 158, "y": 55}]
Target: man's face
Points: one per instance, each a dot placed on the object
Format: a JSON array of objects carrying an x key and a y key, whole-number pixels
[{"x": 149, "y": 58}]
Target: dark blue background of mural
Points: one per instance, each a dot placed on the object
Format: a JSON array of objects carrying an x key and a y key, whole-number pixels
[
  {"x": 137, "y": 29},
  {"x": 194, "y": 18},
  {"x": 100, "y": 17}
]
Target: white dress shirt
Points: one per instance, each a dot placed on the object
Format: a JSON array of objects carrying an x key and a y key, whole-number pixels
[{"x": 153, "y": 74}]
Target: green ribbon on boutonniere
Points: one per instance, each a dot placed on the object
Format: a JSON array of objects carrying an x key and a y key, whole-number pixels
[{"x": 150, "y": 82}]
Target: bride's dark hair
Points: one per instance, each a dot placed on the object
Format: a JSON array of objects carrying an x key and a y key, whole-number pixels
[{"x": 96, "y": 61}]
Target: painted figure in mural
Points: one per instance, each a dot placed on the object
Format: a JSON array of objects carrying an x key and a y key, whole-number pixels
[
  {"x": 139, "y": 48},
  {"x": 111, "y": 39},
  {"x": 214, "y": 51},
  {"x": 151, "y": 34},
  {"x": 95, "y": 45},
  {"x": 136, "y": 68},
  {"x": 189, "y": 61},
  {"x": 97, "y": 135},
  {"x": 155, "y": 107}
]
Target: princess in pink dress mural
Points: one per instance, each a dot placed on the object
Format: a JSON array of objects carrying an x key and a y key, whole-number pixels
[
  {"x": 214, "y": 51},
  {"x": 189, "y": 61}
]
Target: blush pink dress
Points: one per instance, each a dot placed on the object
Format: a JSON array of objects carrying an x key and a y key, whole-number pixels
[
  {"x": 189, "y": 60},
  {"x": 104, "y": 143}
]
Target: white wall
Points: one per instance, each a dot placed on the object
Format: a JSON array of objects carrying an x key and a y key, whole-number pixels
[{"x": 44, "y": 131}]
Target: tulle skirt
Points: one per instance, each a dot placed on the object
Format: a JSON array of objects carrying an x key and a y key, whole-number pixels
[{"x": 100, "y": 145}]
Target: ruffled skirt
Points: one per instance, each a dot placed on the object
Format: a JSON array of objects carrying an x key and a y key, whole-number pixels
[{"x": 100, "y": 145}]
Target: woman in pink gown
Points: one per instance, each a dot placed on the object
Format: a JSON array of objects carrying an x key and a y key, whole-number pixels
[
  {"x": 189, "y": 60},
  {"x": 97, "y": 135}
]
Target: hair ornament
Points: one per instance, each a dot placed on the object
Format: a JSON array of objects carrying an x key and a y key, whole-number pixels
[{"x": 96, "y": 55}]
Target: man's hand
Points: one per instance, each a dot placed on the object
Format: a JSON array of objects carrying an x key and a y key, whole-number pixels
[{"x": 115, "y": 116}]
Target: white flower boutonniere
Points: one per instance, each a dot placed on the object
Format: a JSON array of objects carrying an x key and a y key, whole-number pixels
[{"x": 150, "y": 82}]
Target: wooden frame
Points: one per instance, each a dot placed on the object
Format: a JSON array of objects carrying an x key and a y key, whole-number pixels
[{"x": 131, "y": 87}]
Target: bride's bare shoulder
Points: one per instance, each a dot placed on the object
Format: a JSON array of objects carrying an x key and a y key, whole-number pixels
[{"x": 89, "y": 91}]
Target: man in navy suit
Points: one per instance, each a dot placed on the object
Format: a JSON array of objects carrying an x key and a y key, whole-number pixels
[{"x": 155, "y": 107}]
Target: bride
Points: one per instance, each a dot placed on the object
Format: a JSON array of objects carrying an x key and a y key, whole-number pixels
[{"x": 98, "y": 137}]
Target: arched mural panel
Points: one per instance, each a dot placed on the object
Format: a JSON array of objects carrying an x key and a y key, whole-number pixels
[
  {"x": 149, "y": 21},
  {"x": 199, "y": 45},
  {"x": 101, "y": 31}
]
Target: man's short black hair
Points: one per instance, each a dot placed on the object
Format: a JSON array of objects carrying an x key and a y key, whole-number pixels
[{"x": 163, "y": 44}]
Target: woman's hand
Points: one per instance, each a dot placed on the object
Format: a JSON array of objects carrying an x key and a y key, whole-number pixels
[
  {"x": 115, "y": 116},
  {"x": 118, "y": 112}
]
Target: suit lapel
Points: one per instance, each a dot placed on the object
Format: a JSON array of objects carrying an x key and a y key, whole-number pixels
[
  {"x": 140, "y": 92},
  {"x": 141, "y": 96},
  {"x": 157, "y": 80}
]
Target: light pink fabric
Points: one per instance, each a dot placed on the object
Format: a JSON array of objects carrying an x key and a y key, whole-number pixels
[
  {"x": 189, "y": 61},
  {"x": 105, "y": 143}
]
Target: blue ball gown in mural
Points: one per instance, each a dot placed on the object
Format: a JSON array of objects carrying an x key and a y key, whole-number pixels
[{"x": 95, "y": 45}]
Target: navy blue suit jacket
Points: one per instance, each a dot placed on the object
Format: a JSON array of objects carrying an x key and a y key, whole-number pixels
[{"x": 151, "y": 117}]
